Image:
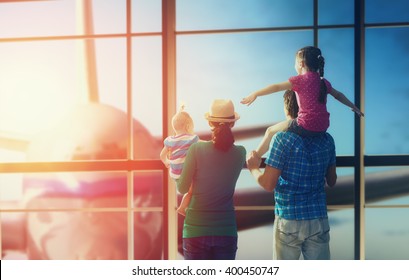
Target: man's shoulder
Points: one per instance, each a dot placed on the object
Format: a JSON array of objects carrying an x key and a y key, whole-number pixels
[{"x": 291, "y": 137}]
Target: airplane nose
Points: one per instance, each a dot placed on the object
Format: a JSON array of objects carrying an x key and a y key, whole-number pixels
[{"x": 90, "y": 212}]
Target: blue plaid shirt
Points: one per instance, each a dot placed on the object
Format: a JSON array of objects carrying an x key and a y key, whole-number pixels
[{"x": 303, "y": 161}]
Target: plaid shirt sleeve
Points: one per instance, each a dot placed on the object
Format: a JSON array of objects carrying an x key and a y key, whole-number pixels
[
  {"x": 278, "y": 151},
  {"x": 332, "y": 160}
]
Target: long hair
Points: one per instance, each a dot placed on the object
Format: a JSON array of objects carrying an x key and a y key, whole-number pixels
[
  {"x": 315, "y": 62},
  {"x": 222, "y": 136},
  {"x": 290, "y": 103}
]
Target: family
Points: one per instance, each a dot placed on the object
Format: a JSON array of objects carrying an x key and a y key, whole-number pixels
[{"x": 300, "y": 162}]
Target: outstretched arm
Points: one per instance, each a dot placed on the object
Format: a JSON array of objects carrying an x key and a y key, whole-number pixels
[
  {"x": 265, "y": 142},
  {"x": 344, "y": 100},
  {"x": 264, "y": 91}
]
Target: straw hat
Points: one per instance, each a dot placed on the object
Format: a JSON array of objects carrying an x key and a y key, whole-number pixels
[{"x": 222, "y": 110}]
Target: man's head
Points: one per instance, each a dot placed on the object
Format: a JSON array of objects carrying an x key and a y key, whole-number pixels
[{"x": 290, "y": 104}]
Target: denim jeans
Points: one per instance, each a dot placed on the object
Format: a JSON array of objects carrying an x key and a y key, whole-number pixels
[
  {"x": 295, "y": 237},
  {"x": 210, "y": 248}
]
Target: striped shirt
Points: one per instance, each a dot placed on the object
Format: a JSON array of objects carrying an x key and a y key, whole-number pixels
[
  {"x": 303, "y": 161},
  {"x": 178, "y": 146}
]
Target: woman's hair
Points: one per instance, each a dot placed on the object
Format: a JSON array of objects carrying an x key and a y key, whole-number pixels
[
  {"x": 290, "y": 103},
  {"x": 315, "y": 62},
  {"x": 222, "y": 136}
]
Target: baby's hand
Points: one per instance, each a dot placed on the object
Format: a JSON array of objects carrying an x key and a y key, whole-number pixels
[{"x": 249, "y": 99}]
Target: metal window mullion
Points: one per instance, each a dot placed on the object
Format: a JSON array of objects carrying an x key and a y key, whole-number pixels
[
  {"x": 130, "y": 142},
  {"x": 359, "y": 170},
  {"x": 169, "y": 108},
  {"x": 315, "y": 19}
]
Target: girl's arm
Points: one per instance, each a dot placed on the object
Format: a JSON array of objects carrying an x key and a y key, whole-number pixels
[
  {"x": 264, "y": 91},
  {"x": 164, "y": 156},
  {"x": 270, "y": 132},
  {"x": 344, "y": 100}
]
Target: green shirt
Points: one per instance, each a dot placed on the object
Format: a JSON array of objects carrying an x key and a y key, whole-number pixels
[{"x": 213, "y": 175}]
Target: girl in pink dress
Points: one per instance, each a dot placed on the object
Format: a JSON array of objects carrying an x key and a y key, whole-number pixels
[{"x": 311, "y": 91}]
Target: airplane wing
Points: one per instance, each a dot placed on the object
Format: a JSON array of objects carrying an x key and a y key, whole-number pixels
[{"x": 240, "y": 133}]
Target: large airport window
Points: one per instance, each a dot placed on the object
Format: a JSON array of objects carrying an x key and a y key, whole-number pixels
[
  {"x": 82, "y": 119},
  {"x": 233, "y": 14},
  {"x": 386, "y": 91}
]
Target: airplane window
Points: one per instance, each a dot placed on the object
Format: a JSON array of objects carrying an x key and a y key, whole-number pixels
[
  {"x": 146, "y": 15},
  {"x": 227, "y": 14},
  {"x": 386, "y": 91},
  {"x": 337, "y": 46},
  {"x": 335, "y": 12}
]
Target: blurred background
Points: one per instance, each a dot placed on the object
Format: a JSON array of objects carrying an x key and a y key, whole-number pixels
[{"x": 87, "y": 89}]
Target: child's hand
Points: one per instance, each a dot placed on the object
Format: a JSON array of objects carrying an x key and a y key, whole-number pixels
[
  {"x": 249, "y": 99},
  {"x": 358, "y": 112},
  {"x": 253, "y": 160}
]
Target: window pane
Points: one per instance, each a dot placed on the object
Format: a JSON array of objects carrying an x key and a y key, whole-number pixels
[
  {"x": 109, "y": 16},
  {"x": 229, "y": 14},
  {"x": 59, "y": 235},
  {"x": 148, "y": 238},
  {"x": 341, "y": 234},
  {"x": 387, "y": 186},
  {"x": 111, "y": 72},
  {"x": 337, "y": 46},
  {"x": 256, "y": 243},
  {"x": 146, "y": 15},
  {"x": 386, "y": 234},
  {"x": 148, "y": 189},
  {"x": 147, "y": 95},
  {"x": 231, "y": 66},
  {"x": 335, "y": 12},
  {"x": 63, "y": 190},
  {"x": 343, "y": 191},
  {"x": 386, "y": 91},
  {"x": 98, "y": 201},
  {"x": 378, "y": 11},
  {"x": 39, "y": 83},
  {"x": 44, "y": 18}
]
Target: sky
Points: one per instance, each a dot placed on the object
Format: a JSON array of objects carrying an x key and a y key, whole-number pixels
[{"x": 49, "y": 75}]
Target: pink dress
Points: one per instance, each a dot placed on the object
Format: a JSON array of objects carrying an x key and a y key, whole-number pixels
[{"x": 312, "y": 114}]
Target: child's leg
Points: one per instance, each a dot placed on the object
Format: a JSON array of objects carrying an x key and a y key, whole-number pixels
[
  {"x": 185, "y": 202},
  {"x": 265, "y": 143}
]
